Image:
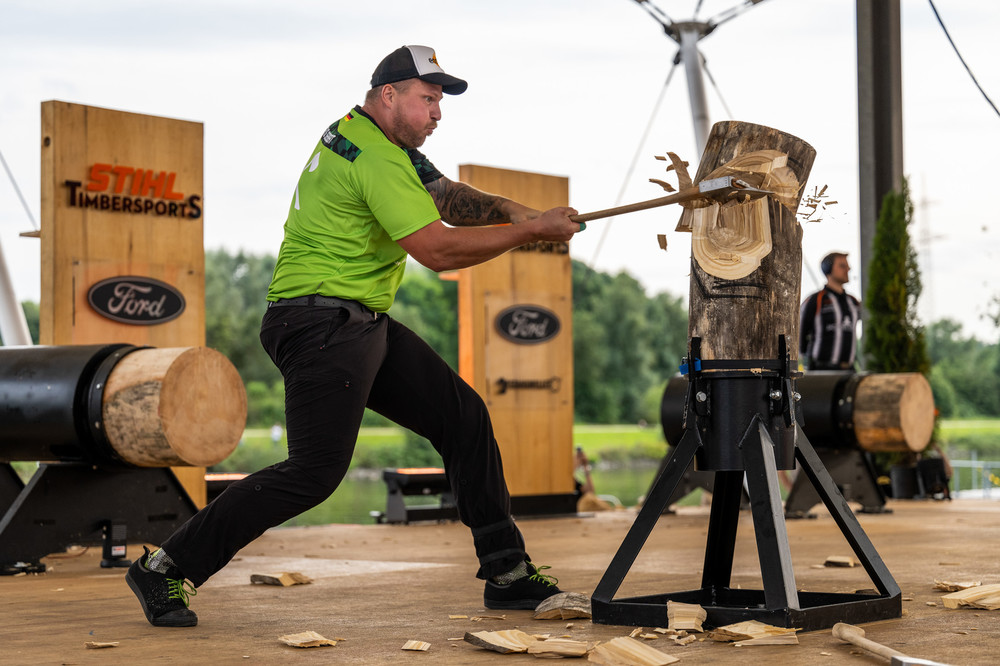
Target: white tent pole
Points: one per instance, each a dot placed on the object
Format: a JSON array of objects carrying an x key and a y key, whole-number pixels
[{"x": 13, "y": 325}]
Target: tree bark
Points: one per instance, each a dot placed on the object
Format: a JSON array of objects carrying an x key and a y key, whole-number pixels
[{"x": 746, "y": 259}]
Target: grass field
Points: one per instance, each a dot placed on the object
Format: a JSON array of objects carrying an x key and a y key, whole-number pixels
[
  {"x": 624, "y": 459},
  {"x": 960, "y": 438},
  {"x": 386, "y": 447},
  {"x": 621, "y": 443}
]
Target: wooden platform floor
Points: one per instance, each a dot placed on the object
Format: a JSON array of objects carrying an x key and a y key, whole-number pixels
[{"x": 377, "y": 586}]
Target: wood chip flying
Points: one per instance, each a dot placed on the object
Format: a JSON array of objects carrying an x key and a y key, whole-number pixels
[{"x": 306, "y": 639}]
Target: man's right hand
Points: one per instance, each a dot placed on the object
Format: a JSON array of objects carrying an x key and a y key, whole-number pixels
[
  {"x": 555, "y": 225},
  {"x": 444, "y": 248}
]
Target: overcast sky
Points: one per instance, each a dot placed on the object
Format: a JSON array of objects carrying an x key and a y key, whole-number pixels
[{"x": 564, "y": 87}]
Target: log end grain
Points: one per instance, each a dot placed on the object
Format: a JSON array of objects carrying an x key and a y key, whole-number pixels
[
  {"x": 174, "y": 407},
  {"x": 894, "y": 412}
]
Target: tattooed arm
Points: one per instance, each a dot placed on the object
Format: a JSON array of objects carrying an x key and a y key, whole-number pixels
[{"x": 462, "y": 205}]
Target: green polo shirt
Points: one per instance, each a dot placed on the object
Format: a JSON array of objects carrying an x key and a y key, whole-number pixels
[{"x": 357, "y": 195}]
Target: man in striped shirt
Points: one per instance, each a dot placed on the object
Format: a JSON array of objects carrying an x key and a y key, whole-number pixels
[{"x": 829, "y": 318}]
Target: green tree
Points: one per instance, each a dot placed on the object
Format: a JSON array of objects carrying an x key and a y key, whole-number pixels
[
  {"x": 624, "y": 345},
  {"x": 668, "y": 318},
  {"x": 235, "y": 300},
  {"x": 962, "y": 379},
  {"x": 428, "y": 306},
  {"x": 893, "y": 337}
]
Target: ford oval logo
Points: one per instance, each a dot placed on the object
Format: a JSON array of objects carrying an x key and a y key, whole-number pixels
[
  {"x": 136, "y": 300},
  {"x": 527, "y": 324}
]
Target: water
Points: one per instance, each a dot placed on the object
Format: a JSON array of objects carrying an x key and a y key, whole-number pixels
[{"x": 364, "y": 491}]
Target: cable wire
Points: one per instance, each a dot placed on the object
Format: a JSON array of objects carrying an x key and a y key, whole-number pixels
[
  {"x": 18, "y": 190},
  {"x": 964, "y": 64},
  {"x": 704, "y": 66},
  {"x": 635, "y": 160}
]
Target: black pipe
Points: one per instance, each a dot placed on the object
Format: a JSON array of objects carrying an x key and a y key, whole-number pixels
[
  {"x": 827, "y": 407},
  {"x": 50, "y": 402}
]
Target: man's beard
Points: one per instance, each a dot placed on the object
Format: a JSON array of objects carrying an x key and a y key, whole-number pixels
[{"x": 406, "y": 135}]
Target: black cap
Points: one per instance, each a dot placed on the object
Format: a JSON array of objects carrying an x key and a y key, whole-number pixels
[{"x": 416, "y": 62}]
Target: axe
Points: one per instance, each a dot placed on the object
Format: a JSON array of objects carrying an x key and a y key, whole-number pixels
[
  {"x": 856, "y": 635},
  {"x": 713, "y": 190}
]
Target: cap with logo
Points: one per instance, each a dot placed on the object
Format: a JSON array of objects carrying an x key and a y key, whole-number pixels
[{"x": 416, "y": 62}]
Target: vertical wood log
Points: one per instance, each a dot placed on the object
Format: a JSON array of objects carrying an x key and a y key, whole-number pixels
[{"x": 742, "y": 318}]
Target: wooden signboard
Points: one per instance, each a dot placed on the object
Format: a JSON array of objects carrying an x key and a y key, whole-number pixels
[
  {"x": 123, "y": 257},
  {"x": 516, "y": 347}
]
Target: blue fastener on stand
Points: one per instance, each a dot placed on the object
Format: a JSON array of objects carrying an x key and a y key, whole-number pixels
[{"x": 684, "y": 366}]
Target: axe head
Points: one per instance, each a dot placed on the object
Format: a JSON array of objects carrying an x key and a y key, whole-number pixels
[{"x": 728, "y": 188}]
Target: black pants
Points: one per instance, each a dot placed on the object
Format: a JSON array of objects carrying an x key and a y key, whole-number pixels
[{"x": 335, "y": 361}]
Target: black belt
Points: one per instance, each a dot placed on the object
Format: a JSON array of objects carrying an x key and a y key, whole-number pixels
[{"x": 315, "y": 300}]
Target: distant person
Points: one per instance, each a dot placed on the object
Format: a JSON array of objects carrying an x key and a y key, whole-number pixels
[
  {"x": 276, "y": 432},
  {"x": 829, "y": 319},
  {"x": 365, "y": 200}
]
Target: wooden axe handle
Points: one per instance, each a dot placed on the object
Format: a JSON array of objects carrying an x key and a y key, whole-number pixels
[
  {"x": 688, "y": 194},
  {"x": 856, "y": 635}
]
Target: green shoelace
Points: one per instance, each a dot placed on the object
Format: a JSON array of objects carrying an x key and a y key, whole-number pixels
[
  {"x": 180, "y": 589},
  {"x": 544, "y": 578}
]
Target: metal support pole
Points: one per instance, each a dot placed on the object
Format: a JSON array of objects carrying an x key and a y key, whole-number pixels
[
  {"x": 880, "y": 117},
  {"x": 13, "y": 325},
  {"x": 690, "y": 34}
]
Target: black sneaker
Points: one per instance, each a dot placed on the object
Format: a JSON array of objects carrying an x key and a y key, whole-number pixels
[
  {"x": 164, "y": 597},
  {"x": 524, "y": 593}
]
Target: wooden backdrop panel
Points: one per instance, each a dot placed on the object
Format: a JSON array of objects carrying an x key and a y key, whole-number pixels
[
  {"x": 533, "y": 425},
  {"x": 84, "y": 244}
]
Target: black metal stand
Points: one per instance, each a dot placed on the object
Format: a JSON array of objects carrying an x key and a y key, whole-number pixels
[
  {"x": 854, "y": 475},
  {"x": 65, "y": 504},
  {"x": 10, "y": 485},
  {"x": 740, "y": 419}
]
